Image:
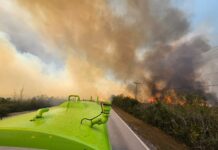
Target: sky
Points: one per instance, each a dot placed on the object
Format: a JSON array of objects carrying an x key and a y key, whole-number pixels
[
  {"x": 62, "y": 47},
  {"x": 202, "y": 14}
]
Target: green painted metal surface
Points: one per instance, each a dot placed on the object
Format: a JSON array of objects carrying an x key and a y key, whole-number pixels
[
  {"x": 58, "y": 128},
  {"x": 101, "y": 118}
]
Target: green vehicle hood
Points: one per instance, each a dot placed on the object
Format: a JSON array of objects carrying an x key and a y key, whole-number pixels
[{"x": 59, "y": 128}]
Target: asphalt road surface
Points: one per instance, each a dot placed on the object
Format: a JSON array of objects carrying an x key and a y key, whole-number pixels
[{"x": 121, "y": 136}]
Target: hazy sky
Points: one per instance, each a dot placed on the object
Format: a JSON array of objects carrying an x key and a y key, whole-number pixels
[
  {"x": 203, "y": 14},
  {"x": 46, "y": 49}
]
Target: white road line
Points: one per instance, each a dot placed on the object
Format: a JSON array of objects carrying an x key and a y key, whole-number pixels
[{"x": 145, "y": 146}]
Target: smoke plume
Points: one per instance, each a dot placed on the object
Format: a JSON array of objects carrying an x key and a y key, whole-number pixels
[{"x": 107, "y": 44}]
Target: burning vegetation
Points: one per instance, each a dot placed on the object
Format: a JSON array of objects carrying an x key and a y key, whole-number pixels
[{"x": 174, "y": 75}]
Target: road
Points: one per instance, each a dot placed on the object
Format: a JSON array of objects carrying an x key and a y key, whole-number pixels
[{"x": 121, "y": 136}]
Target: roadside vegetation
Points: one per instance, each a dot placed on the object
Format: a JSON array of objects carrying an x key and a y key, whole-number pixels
[
  {"x": 9, "y": 105},
  {"x": 195, "y": 124}
]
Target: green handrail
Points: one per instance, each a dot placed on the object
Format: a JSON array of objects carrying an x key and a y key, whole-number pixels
[
  {"x": 75, "y": 97},
  {"x": 102, "y": 118},
  {"x": 40, "y": 113}
]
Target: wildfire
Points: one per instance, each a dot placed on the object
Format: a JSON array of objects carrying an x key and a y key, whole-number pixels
[
  {"x": 151, "y": 100},
  {"x": 167, "y": 100},
  {"x": 169, "y": 97}
]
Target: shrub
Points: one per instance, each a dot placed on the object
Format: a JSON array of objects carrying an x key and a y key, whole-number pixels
[
  {"x": 8, "y": 105},
  {"x": 3, "y": 111},
  {"x": 195, "y": 125}
]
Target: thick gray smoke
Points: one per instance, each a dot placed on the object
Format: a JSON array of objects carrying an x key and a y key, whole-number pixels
[
  {"x": 178, "y": 68},
  {"x": 133, "y": 40}
]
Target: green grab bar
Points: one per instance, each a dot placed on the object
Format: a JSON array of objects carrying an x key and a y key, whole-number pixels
[
  {"x": 75, "y": 98},
  {"x": 102, "y": 118},
  {"x": 40, "y": 113}
]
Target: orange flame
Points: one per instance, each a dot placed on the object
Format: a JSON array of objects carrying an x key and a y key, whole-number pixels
[
  {"x": 151, "y": 100},
  {"x": 169, "y": 100}
]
